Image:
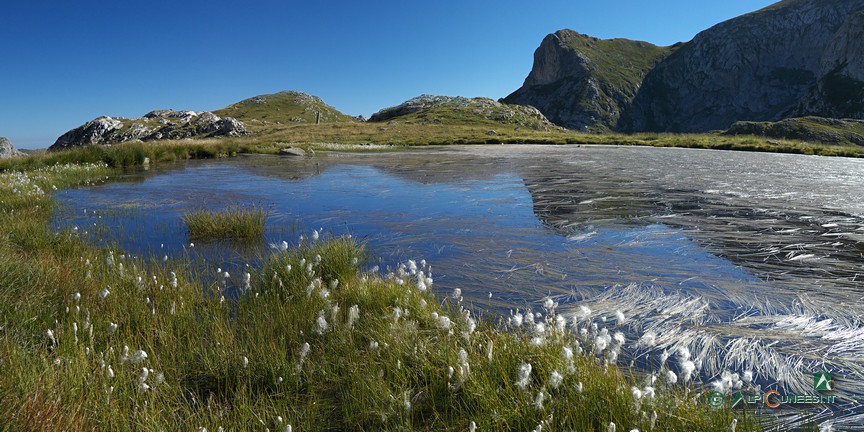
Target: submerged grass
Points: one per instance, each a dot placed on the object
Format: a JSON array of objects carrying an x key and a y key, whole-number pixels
[
  {"x": 94, "y": 339},
  {"x": 244, "y": 223}
]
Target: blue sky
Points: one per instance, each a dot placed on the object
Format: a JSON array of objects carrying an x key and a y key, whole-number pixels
[{"x": 64, "y": 63}]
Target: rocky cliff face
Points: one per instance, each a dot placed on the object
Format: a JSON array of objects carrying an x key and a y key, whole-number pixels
[
  {"x": 586, "y": 83},
  {"x": 6, "y": 149},
  {"x": 155, "y": 125},
  {"x": 839, "y": 91},
  {"x": 796, "y": 57}
]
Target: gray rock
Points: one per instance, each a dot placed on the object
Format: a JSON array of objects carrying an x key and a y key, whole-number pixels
[
  {"x": 763, "y": 66},
  {"x": 292, "y": 151},
  {"x": 155, "y": 125},
  {"x": 7, "y": 150},
  {"x": 99, "y": 131}
]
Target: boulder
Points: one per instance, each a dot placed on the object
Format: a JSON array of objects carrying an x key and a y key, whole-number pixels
[
  {"x": 292, "y": 151},
  {"x": 7, "y": 150}
]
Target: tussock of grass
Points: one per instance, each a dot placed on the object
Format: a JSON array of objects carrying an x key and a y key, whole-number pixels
[{"x": 233, "y": 223}]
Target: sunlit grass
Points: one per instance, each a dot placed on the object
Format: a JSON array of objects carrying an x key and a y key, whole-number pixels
[{"x": 244, "y": 223}]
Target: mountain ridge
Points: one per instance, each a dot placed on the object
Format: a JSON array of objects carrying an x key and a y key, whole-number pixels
[{"x": 795, "y": 58}]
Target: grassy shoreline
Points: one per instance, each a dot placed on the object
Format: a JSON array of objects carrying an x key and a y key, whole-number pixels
[{"x": 314, "y": 340}]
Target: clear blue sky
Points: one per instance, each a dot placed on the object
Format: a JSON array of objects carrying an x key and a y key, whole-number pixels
[{"x": 63, "y": 63}]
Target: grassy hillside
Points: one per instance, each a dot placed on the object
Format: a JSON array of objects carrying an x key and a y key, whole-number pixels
[
  {"x": 287, "y": 107},
  {"x": 619, "y": 63},
  {"x": 447, "y": 110},
  {"x": 810, "y": 129}
]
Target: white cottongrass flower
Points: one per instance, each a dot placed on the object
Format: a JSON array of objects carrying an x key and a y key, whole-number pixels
[
  {"x": 444, "y": 322},
  {"x": 619, "y": 338},
  {"x": 143, "y": 374},
  {"x": 112, "y": 328},
  {"x": 287, "y": 428},
  {"x": 671, "y": 377},
  {"x": 579, "y": 387},
  {"x": 109, "y": 373},
  {"x": 619, "y": 317},
  {"x": 538, "y": 400},
  {"x": 648, "y": 393},
  {"x": 245, "y": 362},
  {"x": 524, "y": 375},
  {"x": 549, "y": 304},
  {"x": 304, "y": 351},
  {"x": 470, "y": 326},
  {"x": 516, "y": 320},
  {"x": 104, "y": 293},
  {"x": 472, "y": 427},
  {"x": 611, "y": 427},
  {"x": 457, "y": 294},
  {"x": 539, "y": 329},
  {"x": 315, "y": 235},
  {"x": 143, "y": 387},
  {"x": 247, "y": 281},
  {"x": 555, "y": 379},
  {"x": 174, "y": 280},
  {"x": 734, "y": 425},
  {"x": 687, "y": 368},
  {"x": 138, "y": 356},
  {"x": 560, "y": 323},
  {"x": 684, "y": 353},
  {"x": 353, "y": 315},
  {"x": 373, "y": 345},
  {"x": 664, "y": 356},
  {"x": 747, "y": 377},
  {"x": 649, "y": 339},
  {"x": 583, "y": 313},
  {"x": 50, "y": 334},
  {"x": 321, "y": 325},
  {"x": 637, "y": 394},
  {"x": 76, "y": 296}
]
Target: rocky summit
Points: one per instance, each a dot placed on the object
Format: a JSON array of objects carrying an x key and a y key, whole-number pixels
[
  {"x": 585, "y": 83},
  {"x": 6, "y": 149},
  {"x": 795, "y": 58},
  {"x": 155, "y": 125},
  {"x": 461, "y": 110}
]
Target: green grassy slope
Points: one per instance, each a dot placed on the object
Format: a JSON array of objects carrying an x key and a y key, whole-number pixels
[{"x": 287, "y": 107}]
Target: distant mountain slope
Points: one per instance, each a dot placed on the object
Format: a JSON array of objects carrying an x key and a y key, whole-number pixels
[
  {"x": 287, "y": 107},
  {"x": 585, "y": 83},
  {"x": 462, "y": 111},
  {"x": 794, "y": 58}
]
